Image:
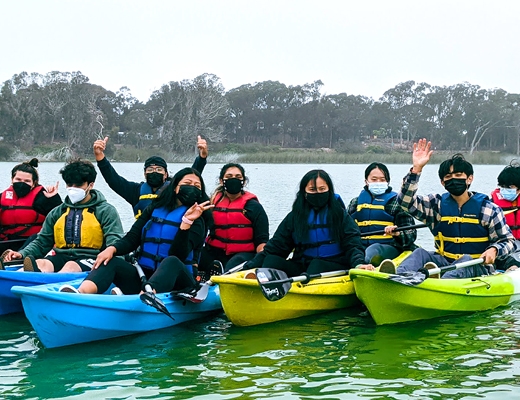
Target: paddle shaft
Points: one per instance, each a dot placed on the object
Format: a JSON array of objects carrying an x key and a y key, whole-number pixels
[
  {"x": 306, "y": 278},
  {"x": 399, "y": 229},
  {"x": 452, "y": 267}
]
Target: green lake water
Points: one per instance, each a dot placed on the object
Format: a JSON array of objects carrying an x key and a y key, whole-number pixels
[
  {"x": 336, "y": 355},
  {"x": 339, "y": 355}
]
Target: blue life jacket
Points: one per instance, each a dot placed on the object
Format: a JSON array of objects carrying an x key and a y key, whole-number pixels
[
  {"x": 158, "y": 235},
  {"x": 371, "y": 216},
  {"x": 146, "y": 195},
  {"x": 319, "y": 242},
  {"x": 461, "y": 232}
]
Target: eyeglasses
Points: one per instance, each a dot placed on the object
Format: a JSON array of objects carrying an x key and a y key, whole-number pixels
[{"x": 160, "y": 170}]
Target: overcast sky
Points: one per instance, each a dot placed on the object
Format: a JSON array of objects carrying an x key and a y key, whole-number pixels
[{"x": 358, "y": 47}]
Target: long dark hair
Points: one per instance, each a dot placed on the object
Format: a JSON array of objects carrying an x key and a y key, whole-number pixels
[
  {"x": 220, "y": 187},
  {"x": 301, "y": 207},
  {"x": 30, "y": 168}
]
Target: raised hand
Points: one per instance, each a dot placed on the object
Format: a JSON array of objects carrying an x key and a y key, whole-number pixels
[
  {"x": 202, "y": 145},
  {"x": 196, "y": 210},
  {"x": 421, "y": 154},
  {"x": 51, "y": 190},
  {"x": 99, "y": 148}
]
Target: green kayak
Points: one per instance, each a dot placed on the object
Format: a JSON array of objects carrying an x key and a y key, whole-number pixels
[{"x": 391, "y": 302}]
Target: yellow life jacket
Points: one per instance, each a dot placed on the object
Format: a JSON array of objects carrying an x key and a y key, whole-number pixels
[{"x": 78, "y": 228}]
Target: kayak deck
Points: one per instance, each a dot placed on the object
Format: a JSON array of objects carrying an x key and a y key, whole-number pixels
[
  {"x": 62, "y": 319},
  {"x": 391, "y": 302},
  {"x": 9, "y": 303},
  {"x": 245, "y": 305}
]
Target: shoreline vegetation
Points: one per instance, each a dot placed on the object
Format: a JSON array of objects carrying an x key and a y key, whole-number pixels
[{"x": 257, "y": 154}]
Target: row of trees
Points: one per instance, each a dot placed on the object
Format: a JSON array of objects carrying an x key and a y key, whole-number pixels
[{"x": 62, "y": 108}]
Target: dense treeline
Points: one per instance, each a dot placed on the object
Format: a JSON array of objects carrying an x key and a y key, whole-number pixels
[{"x": 65, "y": 111}]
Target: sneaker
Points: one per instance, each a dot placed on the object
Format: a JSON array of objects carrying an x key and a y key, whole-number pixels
[
  {"x": 68, "y": 289},
  {"x": 432, "y": 265},
  {"x": 217, "y": 268},
  {"x": 387, "y": 267},
  {"x": 30, "y": 265},
  {"x": 116, "y": 291}
]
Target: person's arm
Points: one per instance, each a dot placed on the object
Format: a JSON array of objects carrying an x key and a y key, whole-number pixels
[
  {"x": 351, "y": 242},
  {"x": 188, "y": 239},
  {"x": 424, "y": 208},
  {"x": 129, "y": 191},
  {"x": 281, "y": 244},
  {"x": 44, "y": 241},
  {"x": 199, "y": 164},
  {"x": 352, "y": 206},
  {"x": 132, "y": 240},
  {"x": 403, "y": 239},
  {"x": 500, "y": 234},
  {"x": 111, "y": 225},
  {"x": 44, "y": 204},
  {"x": 256, "y": 214}
]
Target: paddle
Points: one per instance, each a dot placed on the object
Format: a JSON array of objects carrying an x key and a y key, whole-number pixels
[
  {"x": 202, "y": 293},
  {"x": 275, "y": 284},
  {"x": 399, "y": 229},
  {"x": 148, "y": 297},
  {"x": 13, "y": 244},
  {"x": 415, "y": 278}
]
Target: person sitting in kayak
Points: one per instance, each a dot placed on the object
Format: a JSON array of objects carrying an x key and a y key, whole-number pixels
[
  {"x": 466, "y": 225},
  {"x": 77, "y": 230},
  {"x": 318, "y": 231},
  {"x": 166, "y": 234},
  {"x": 140, "y": 195},
  {"x": 506, "y": 197},
  {"x": 25, "y": 204},
  {"x": 375, "y": 209},
  {"x": 241, "y": 227}
]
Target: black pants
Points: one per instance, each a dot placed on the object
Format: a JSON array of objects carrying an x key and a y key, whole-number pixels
[
  {"x": 170, "y": 275},
  {"x": 229, "y": 261},
  {"x": 297, "y": 267}
]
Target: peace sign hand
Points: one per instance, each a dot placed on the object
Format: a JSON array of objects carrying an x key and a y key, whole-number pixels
[{"x": 196, "y": 210}]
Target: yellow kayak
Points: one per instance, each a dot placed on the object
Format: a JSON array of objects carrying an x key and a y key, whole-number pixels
[{"x": 245, "y": 305}]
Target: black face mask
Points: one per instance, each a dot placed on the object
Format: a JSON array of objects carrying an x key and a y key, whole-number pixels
[
  {"x": 317, "y": 200},
  {"x": 233, "y": 185},
  {"x": 155, "y": 179},
  {"x": 456, "y": 186},
  {"x": 189, "y": 195},
  {"x": 21, "y": 189}
]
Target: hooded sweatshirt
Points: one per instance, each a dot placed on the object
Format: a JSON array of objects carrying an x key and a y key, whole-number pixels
[{"x": 104, "y": 212}]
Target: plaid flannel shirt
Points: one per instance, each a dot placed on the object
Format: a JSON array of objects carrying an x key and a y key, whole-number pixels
[{"x": 427, "y": 210}]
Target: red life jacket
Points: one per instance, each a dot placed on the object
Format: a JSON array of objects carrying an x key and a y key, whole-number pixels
[
  {"x": 17, "y": 215},
  {"x": 511, "y": 211},
  {"x": 233, "y": 230}
]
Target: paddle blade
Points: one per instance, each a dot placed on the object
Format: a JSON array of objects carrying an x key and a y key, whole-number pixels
[
  {"x": 274, "y": 283},
  {"x": 151, "y": 300},
  {"x": 409, "y": 278}
]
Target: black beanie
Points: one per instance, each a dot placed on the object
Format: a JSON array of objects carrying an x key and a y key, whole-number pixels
[{"x": 155, "y": 160}]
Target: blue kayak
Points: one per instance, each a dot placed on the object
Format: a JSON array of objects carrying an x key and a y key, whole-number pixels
[
  {"x": 62, "y": 319},
  {"x": 9, "y": 303}
]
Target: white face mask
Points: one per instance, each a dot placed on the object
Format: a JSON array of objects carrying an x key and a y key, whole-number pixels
[
  {"x": 377, "y": 188},
  {"x": 76, "y": 194}
]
